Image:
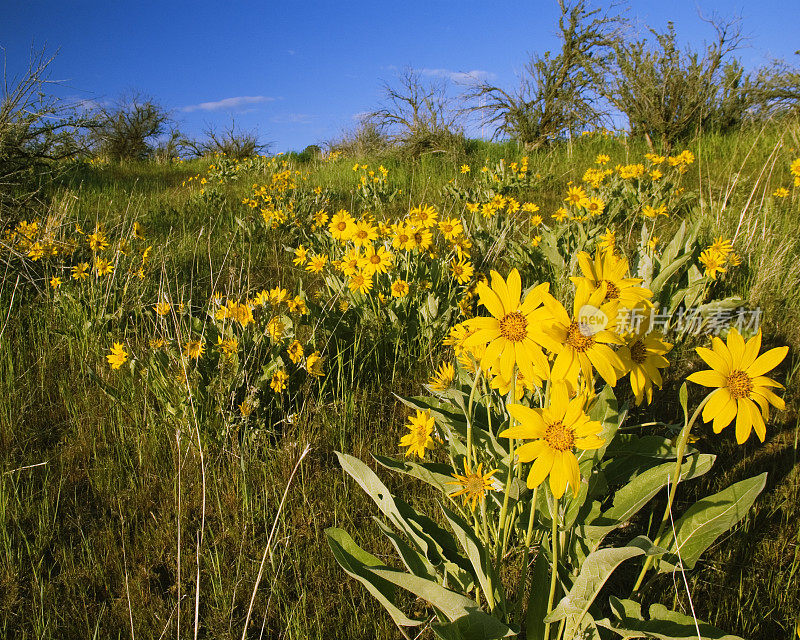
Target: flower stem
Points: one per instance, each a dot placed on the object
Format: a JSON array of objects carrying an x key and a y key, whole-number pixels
[
  {"x": 469, "y": 415},
  {"x": 523, "y": 577},
  {"x": 676, "y": 477},
  {"x": 554, "y": 570}
]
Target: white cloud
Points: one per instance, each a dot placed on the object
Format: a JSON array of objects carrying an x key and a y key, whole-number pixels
[
  {"x": 228, "y": 104},
  {"x": 294, "y": 118},
  {"x": 459, "y": 76}
]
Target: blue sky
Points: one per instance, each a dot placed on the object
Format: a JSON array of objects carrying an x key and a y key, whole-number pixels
[{"x": 299, "y": 72}]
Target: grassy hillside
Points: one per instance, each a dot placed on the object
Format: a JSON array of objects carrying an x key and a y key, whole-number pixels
[{"x": 167, "y": 497}]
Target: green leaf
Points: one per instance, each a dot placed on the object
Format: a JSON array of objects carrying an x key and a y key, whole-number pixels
[
  {"x": 451, "y": 604},
  {"x": 476, "y": 625},
  {"x": 629, "y": 499},
  {"x": 707, "y": 519},
  {"x": 432, "y": 473},
  {"x": 430, "y": 539},
  {"x": 415, "y": 562},
  {"x": 359, "y": 564},
  {"x": 667, "y": 272},
  {"x": 537, "y": 599},
  {"x": 605, "y": 409},
  {"x": 475, "y": 550},
  {"x": 596, "y": 569},
  {"x": 671, "y": 250},
  {"x": 662, "y": 624}
]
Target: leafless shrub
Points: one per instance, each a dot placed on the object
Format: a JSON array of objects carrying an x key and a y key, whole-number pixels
[
  {"x": 420, "y": 116},
  {"x": 228, "y": 141},
  {"x": 36, "y": 129}
]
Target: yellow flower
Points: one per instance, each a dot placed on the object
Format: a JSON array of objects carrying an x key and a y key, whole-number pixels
[
  {"x": 55, "y": 282},
  {"x": 316, "y": 264},
  {"x": 421, "y": 428},
  {"x": 295, "y": 352},
  {"x": 595, "y": 206},
  {"x": 300, "y": 256},
  {"x": 97, "y": 240},
  {"x": 162, "y": 308},
  {"x": 275, "y": 328},
  {"x": 360, "y": 282},
  {"x": 577, "y": 197},
  {"x": 314, "y": 364},
  {"x": 423, "y": 215},
  {"x": 602, "y": 159},
  {"x": 278, "y": 381},
  {"x": 608, "y": 269},
  {"x": 465, "y": 168},
  {"x": 581, "y": 341},
  {"x": 781, "y": 192},
  {"x": 117, "y": 356},
  {"x": 194, "y": 349},
  {"x": 643, "y": 355},
  {"x": 342, "y": 226},
  {"x": 713, "y": 262},
  {"x": 399, "y": 289},
  {"x": 451, "y": 228},
  {"x": 462, "y": 270},
  {"x": 80, "y": 271},
  {"x": 555, "y": 431},
  {"x": 297, "y": 305},
  {"x": 513, "y": 333},
  {"x": 474, "y": 485},
  {"x": 102, "y": 266},
  {"x": 228, "y": 346},
  {"x": 377, "y": 261},
  {"x": 742, "y": 388},
  {"x": 363, "y": 234},
  {"x": 419, "y": 239},
  {"x": 443, "y": 377}
]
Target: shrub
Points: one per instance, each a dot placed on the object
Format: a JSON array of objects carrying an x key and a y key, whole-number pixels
[
  {"x": 557, "y": 93},
  {"x": 668, "y": 94},
  {"x": 419, "y": 116},
  {"x": 129, "y": 128},
  {"x": 36, "y": 129},
  {"x": 229, "y": 141}
]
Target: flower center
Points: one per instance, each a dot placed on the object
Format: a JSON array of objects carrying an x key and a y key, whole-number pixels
[
  {"x": 473, "y": 483},
  {"x": 739, "y": 384},
  {"x": 341, "y": 226},
  {"x": 559, "y": 436},
  {"x": 612, "y": 290},
  {"x": 418, "y": 238},
  {"x": 576, "y": 338},
  {"x": 638, "y": 352},
  {"x": 513, "y": 327},
  {"x": 375, "y": 258}
]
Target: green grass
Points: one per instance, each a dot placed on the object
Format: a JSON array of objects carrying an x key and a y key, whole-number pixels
[{"x": 110, "y": 507}]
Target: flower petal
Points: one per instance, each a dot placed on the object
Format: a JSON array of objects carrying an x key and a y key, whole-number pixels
[
  {"x": 767, "y": 361},
  {"x": 708, "y": 378}
]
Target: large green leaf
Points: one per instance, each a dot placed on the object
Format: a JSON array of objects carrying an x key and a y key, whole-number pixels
[
  {"x": 475, "y": 550},
  {"x": 662, "y": 624},
  {"x": 538, "y": 596},
  {"x": 667, "y": 272},
  {"x": 706, "y": 520},
  {"x": 476, "y": 625},
  {"x": 629, "y": 499},
  {"x": 596, "y": 569},
  {"x": 415, "y": 562},
  {"x": 434, "y": 474},
  {"x": 429, "y": 538},
  {"x": 359, "y": 564}
]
